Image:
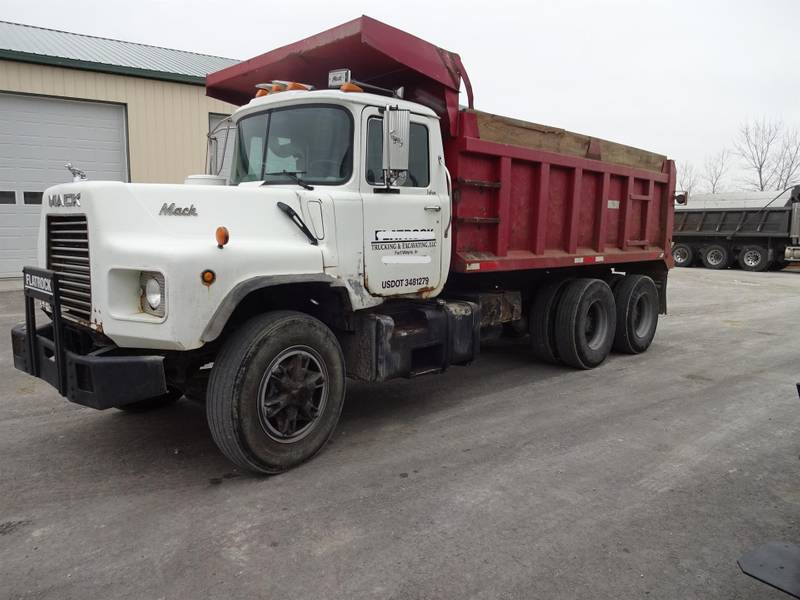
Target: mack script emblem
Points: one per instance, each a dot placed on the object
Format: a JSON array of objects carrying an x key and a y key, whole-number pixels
[
  {"x": 67, "y": 200},
  {"x": 171, "y": 210}
]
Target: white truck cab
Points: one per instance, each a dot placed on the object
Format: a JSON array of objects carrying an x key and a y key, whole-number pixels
[
  {"x": 338, "y": 201},
  {"x": 370, "y": 240}
]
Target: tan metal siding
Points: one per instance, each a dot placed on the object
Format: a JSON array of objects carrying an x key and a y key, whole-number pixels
[{"x": 167, "y": 122}]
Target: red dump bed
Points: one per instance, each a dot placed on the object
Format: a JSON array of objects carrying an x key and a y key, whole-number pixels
[{"x": 525, "y": 196}]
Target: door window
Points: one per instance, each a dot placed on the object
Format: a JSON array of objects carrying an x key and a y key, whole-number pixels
[{"x": 418, "y": 158}]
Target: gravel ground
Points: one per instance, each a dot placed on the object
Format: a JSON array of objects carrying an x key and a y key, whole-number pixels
[{"x": 645, "y": 478}]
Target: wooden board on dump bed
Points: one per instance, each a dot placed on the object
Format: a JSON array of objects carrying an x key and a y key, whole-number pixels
[{"x": 504, "y": 130}]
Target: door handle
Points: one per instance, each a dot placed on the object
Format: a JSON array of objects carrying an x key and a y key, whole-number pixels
[{"x": 436, "y": 208}]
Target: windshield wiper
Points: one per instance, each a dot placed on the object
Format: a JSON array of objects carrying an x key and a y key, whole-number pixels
[
  {"x": 292, "y": 214},
  {"x": 294, "y": 176}
]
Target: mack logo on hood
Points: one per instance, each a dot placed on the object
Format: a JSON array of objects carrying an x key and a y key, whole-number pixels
[
  {"x": 178, "y": 211},
  {"x": 67, "y": 200}
]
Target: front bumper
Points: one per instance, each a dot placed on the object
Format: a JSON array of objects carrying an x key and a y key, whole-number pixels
[{"x": 102, "y": 378}]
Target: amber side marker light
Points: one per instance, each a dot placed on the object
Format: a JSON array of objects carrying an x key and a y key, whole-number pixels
[
  {"x": 222, "y": 236},
  {"x": 350, "y": 87},
  {"x": 208, "y": 276}
]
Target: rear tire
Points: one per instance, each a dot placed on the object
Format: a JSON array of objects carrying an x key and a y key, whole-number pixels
[
  {"x": 276, "y": 391},
  {"x": 717, "y": 257},
  {"x": 637, "y": 303},
  {"x": 683, "y": 255},
  {"x": 754, "y": 258},
  {"x": 542, "y": 320},
  {"x": 585, "y": 323}
]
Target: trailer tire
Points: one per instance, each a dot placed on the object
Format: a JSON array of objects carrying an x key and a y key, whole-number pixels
[
  {"x": 683, "y": 255},
  {"x": 637, "y": 303},
  {"x": 542, "y": 321},
  {"x": 754, "y": 258},
  {"x": 585, "y": 323},
  {"x": 716, "y": 256},
  {"x": 295, "y": 361},
  {"x": 172, "y": 395}
]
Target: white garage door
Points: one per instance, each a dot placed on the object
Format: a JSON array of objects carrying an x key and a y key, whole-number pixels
[{"x": 38, "y": 135}]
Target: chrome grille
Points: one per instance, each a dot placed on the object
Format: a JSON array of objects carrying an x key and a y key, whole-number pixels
[{"x": 68, "y": 255}]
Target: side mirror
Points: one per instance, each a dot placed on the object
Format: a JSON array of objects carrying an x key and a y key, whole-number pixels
[
  {"x": 211, "y": 167},
  {"x": 396, "y": 126},
  {"x": 682, "y": 199}
]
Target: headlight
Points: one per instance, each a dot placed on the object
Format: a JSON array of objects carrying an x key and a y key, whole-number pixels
[
  {"x": 152, "y": 292},
  {"x": 152, "y": 289}
]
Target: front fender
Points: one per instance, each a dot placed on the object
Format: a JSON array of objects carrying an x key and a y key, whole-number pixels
[{"x": 243, "y": 289}]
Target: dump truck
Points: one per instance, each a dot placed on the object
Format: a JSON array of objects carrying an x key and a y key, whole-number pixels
[
  {"x": 756, "y": 231},
  {"x": 371, "y": 228}
]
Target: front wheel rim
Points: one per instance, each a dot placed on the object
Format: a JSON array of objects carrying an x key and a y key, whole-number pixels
[
  {"x": 292, "y": 394},
  {"x": 715, "y": 257},
  {"x": 752, "y": 258}
]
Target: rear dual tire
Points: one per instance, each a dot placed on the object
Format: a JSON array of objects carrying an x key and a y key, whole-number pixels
[
  {"x": 682, "y": 255},
  {"x": 754, "y": 258},
  {"x": 637, "y": 306},
  {"x": 577, "y": 322},
  {"x": 585, "y": 323},
  {"x": 716, "y": 257}
]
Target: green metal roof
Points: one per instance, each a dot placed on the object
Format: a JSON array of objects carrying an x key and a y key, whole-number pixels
[{"x": 61, "y": 48}]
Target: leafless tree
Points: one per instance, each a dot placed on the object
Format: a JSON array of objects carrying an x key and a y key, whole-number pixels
[
  {"x": 687, "y": 177},
  {"x": 758, "y": 144},
  {"x": 714, "y": 170},
  {"x": 787, "y": 163}
]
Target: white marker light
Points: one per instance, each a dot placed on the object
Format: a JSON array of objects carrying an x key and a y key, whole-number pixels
[{"x": 338, "y": 77}]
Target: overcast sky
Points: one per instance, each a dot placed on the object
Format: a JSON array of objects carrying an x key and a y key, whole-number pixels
[{"x": 672, "y": 76}]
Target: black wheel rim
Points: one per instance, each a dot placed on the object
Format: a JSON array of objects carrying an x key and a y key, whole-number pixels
[
  {"x": 596, "y": 326},
  {"x": 641, "y": 316},
  {"x": 292, "y": 394}
]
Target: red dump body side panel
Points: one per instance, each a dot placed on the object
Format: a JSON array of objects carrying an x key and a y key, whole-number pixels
[
  {"x": 519, "y": 208},
  {"x": 513, "y": 207}
]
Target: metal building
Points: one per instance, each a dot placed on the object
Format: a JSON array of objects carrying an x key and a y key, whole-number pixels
[{"x": 117, "y": 110}]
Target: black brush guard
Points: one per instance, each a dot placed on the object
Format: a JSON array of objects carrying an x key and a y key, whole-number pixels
[{"x": 97, "y": 379}]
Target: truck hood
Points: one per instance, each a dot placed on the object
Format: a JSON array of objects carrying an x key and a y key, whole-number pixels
[
  {"x": 171, "y": 229},
  {"x": 176, "y": 214}
]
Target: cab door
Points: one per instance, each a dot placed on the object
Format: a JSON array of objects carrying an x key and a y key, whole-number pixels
[{"x": 402, "y": 224}]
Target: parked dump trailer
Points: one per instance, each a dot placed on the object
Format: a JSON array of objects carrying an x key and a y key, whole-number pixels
[
  {"x": 756, "y": 231},
  {"x": 366, "y": 231}
]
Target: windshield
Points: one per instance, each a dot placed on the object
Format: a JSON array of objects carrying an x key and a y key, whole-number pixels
[{"x": 313, "y": 142}]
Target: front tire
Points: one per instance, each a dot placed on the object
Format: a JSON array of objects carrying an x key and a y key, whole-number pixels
[
  {"x": 276, "y": 391},
  {"x": 585, "y": 323}
]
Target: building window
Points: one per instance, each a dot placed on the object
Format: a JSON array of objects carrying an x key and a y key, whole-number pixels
[
  {"x": 8, "y": 198},
  {"x": 32, "y": 197}
]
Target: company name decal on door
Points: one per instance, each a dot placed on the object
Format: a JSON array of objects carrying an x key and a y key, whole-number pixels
[
  {"x": 404, "y": 247},
  {"x": 403, "y": 241}
]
